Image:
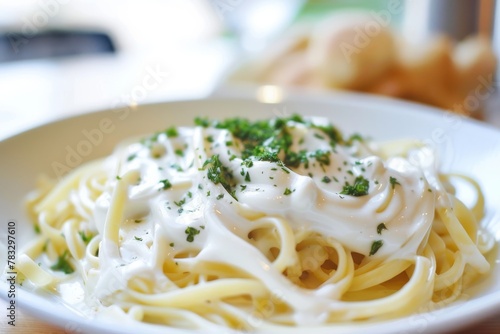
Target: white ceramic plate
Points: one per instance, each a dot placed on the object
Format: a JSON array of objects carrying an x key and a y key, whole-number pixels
[{"x": 466, "y": 146}]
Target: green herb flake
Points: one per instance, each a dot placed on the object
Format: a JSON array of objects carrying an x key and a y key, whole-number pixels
[
  {"x": 380, "y": 228},
  {"x": 376, "y": 246},
  {"x": 63, "y": 264},
  {"x": 317, "y": 135},
  {"x": 359, "y": 188},
  {"x": 45, "y": 244},
  {"x": 172, "y": 244},
  {"x": 137, "y": 238},
  {"x": 86, "y": 238},
  {"x": 287, "y": 192},
  {"x": 203, "y": 122},
  {"x": 118, "y": 177},
  {"x": 220, "y": 196},
  {"x": 181, "y": 202},
  {"x": 177, "y": 167},
  {"x": 165, "y": 184},
  {"x": 353, "y": 138},
  {"x": 393, "y": 181},
  {"x": 172, "y": 132},
  {"x": 218, "y": 173},
  {"x": 326, "y": 179},
  {"x": 191, "y": 232}
]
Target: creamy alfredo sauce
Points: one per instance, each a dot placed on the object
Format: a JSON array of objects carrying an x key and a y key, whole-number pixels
[{"x": 187, "y": 187}]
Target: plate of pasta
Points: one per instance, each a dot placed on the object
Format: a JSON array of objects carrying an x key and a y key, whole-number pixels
[{"x": 238, "y": 213}]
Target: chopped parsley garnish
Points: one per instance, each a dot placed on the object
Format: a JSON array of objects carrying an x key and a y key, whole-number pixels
[
  {"x": 218, "y": 173},
  {"x": 359, "y": 188},
  {"x": 393, "y": 181},
  {"x": 137, "y": 238},
  {"x": 317, "y": 135},
  {"x": 353, "y": 138},
  {"x": 326, "y": 179},
  {"x": 172, "y": 132},
  {"x": 179, "y": 152},
  {"x": 203, "y": 122},
  {"x": 165, "y": 184},
  {"x": 172, "y": 244},
  {"x": 62, "y": 264},
  {"x": 266, "y": 140},
  {"x": 181, "y": 202},
  {"x": 248, "y": 163},
  {"x": 45, "y": 244},
  {"x": 36, "y": 227},
  {"x": 191, "y": 232},
  {"x": 323, "y": 157},
  {"x": 131, "y": 157},
  {"x": 118, "y": 177},
  {"x": 287, "y": 192},
  {"x": 137, "y": 221},
  {"x": 381, "y": 227},
  {"x": 220, "y": 196},
  {"x": 376, "y": 246},
  {"x": 86, "y": 238},
  {"x": 176, "y": 167}
]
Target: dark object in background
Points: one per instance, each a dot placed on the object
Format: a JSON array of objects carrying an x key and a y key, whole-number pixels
[
  {"x": 456, "y": 18},
  {"x": 52, "y": 43}
]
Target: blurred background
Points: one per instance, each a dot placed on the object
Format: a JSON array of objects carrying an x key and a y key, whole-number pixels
[{"x": 61, "y": 57}]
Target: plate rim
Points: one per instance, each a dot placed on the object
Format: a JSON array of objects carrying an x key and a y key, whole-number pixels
[{"x": 482, "y": 311}]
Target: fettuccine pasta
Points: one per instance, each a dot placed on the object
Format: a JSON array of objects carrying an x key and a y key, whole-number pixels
[{"x": 270, "y": 224}]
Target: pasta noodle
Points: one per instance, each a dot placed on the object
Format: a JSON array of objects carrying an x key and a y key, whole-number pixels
[{"x": 242, "y": 224}]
